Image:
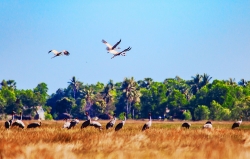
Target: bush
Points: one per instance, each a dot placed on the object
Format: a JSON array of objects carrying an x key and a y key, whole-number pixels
[
  {"x": 187, "y": 115},
  {"x": 48, "y": 116},
  {"x": 121, "y": 116},
  {"x": 201, "y": 112}
]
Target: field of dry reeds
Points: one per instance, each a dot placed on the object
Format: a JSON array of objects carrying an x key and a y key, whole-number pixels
[{"x": 162, "y": 140}]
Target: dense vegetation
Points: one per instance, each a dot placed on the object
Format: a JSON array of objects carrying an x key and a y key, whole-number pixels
[{"x": 196, "y": 99}]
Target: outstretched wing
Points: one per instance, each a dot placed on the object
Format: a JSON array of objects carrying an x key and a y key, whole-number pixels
[
  {"x": 54, "y": 52},
  {"x": 59, "y": 54},
  {"x": 129, "y": 48},
  {"x": 107, "y": 44},
  {"x": 121, "y": 53},
  {"x": 116, "y": 44}
]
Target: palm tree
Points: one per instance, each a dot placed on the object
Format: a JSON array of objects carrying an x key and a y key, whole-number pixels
[
  {"x": 11, "y": 84},
  {"x": 242, "y": 82},
  {"x": 74, "y": 85},
  {"x": 148, "y": 82},
  {"x": 205, "y": 79},
  {"x": 195, "y": 86},
  {"x": 196, "y": 79},
  {"x": 88, "y": 94},
  {"x": 134, "y": 99},
  {"x": 187, "y": 92},
  {"x": 3, "y": 84},
  {"x": 107, "y": 96},
  {"x": 231, "y": 82},
  {"x": 145, "y": 83},
  {"x": 166, "y": 81},
  {"x": 129, "y": 87},
  {"x": 178, "y": 78}
]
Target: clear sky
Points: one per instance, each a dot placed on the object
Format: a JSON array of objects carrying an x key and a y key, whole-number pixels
[{"x": 168, "y": 38}]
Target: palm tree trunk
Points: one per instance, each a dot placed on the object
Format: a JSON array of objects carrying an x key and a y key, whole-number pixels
[
  {"x": 75, "y": 93},
  {"x": 127, "y": 110},
  {"x": 133, "y": 113},
  {"x": 130, "y": 108}
]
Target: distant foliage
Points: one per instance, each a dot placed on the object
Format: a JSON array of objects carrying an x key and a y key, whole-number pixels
[
  {"x": 48, "y": 116},
  {"x": 201, "y": 112},
  {"x": 198, "y": 98},
  {"x": 187, "y": 115},
  {"x": 121, "y": 116}
]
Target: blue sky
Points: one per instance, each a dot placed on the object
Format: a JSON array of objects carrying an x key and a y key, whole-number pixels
[{"x": 168, "y": 38}]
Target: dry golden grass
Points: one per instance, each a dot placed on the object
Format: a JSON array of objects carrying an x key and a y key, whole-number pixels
[{"x": 162, "y": 140}]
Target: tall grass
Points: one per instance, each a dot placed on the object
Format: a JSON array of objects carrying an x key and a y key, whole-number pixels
[{"x": 162, "y": 140}]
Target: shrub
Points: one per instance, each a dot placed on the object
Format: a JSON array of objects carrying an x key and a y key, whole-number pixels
[
  {"x": 187, "y": 115},
  {"x": 48, "y": 116}
]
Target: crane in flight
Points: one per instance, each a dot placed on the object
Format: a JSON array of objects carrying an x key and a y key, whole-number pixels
[{"x": 57, "y": 53}]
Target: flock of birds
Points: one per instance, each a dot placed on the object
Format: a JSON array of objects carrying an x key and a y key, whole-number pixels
[
  {"x": 19, "y": 123},
  {"x": 208, "y": 124},
  {"x": 111, "y": 49},
  {"x": 96, "y": 124},
  {"x": 57, "y": 53},
  {"x": 71, "y": 124}
]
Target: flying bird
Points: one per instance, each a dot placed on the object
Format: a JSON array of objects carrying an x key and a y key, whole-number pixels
[
  {"x": 57, "y": 53},
  {"x": 123, "y": 53},
  {"x": 111, "y": 49}
]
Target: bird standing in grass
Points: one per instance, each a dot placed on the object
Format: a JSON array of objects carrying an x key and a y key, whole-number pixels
[
  {"x": 208, "y": 125},
  {"x": 121, "y": 124},
  {"x": 8, "y": 123},
  {"x": 111, "y": 123},
  {"x": 35, "y": 125},
  {"x": 73, "y": 123},
  {"x": 186, "y": 125},
  {"x": 148, "y": 124},
  {"x": 87, "y": 122},
  {"x": 96, "y": 125},
  {"x": 19, "y": 122},
  {"x": 66, "y": 124},
  {"x": 237, "y": 123}
]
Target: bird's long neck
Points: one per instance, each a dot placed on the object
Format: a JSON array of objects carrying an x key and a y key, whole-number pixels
[
  {"x": 124, "y": 119},
  {"x": 89, "y": 117},
  {"x": 21, "y": 116},
  {"x": 240, "y": 120},
  {"x": 13, "y": 116},
  {"x": 150, "y": 119}
]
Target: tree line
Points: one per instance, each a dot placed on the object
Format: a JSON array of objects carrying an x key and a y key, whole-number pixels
[{"x": 174, "y": 98}]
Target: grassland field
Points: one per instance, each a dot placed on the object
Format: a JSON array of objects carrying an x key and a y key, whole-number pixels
[{"x": 165, "y": 139}]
